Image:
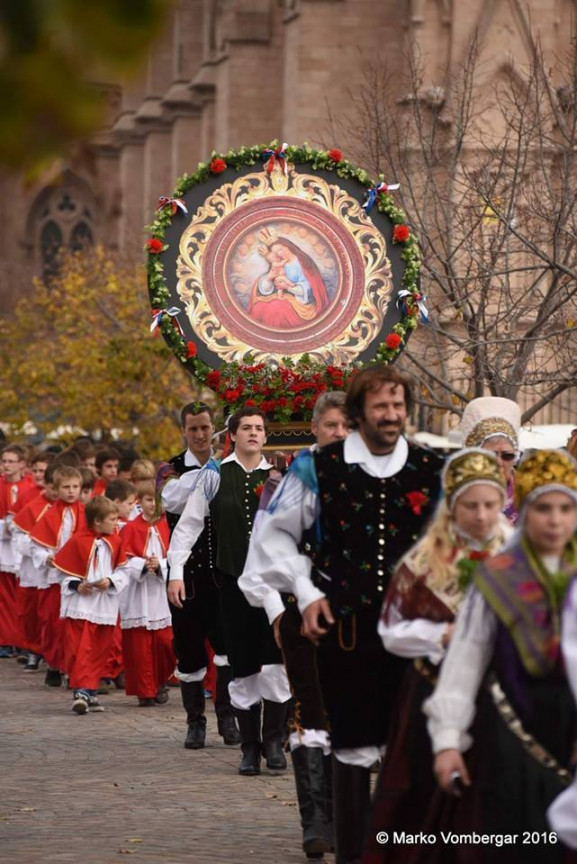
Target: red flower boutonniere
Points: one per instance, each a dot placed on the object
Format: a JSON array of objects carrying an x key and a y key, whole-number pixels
[
  {"x": 416, "y": 501},
  {"x": 400, "y": 234},
  {"x": 217, "y": 166},
  {"x": 393, "y": 341},
  {"x": 258, "y": 489},
  {"x": 335, "y": 155},
  {"x": 154, "y": 245}
]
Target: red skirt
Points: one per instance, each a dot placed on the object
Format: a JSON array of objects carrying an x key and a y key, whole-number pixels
[
  {"x": 51, "y": 627},
  {"x": 28, "y": 620},
  {"x": 149, "y": 660},
  {"x": 8, "y": 621},
  {"x": 115, "y": 664},
  {"x": 87, "y": 648}
]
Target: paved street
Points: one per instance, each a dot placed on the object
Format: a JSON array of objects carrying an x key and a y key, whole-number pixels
[{"x": 95, "y": 789}]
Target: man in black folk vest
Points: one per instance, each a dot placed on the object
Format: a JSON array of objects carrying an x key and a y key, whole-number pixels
[
  {"x": 367, "y": 499},
  {"x": 194, "y": 600},
  {"x": 228, "y": 494}
]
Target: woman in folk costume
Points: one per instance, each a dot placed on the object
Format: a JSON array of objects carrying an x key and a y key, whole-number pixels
[
  {"x": 504, "y": 665},
  {"x": 418, "y": 618},
  {"x": 149, "y": 659},
  {"x": 562, "y": 814},
  {"x": 493, "y": 423}
]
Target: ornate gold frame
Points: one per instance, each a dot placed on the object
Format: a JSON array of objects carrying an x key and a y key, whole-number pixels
[{"x": 378, "y": 283}]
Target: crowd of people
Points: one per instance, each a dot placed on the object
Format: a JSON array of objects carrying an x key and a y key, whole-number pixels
[{"x": 364, "y": 605}]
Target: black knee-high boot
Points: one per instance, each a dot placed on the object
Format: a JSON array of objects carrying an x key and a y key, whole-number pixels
[
  {"x": 226, "y": 723},
  {"x": 273, "y": 733},
  {"x": 351, "y": 808},
  {"x": 194, "y": 705},
  {"x": 310, "y": 780},
  {"x": 249, "y": 725}
]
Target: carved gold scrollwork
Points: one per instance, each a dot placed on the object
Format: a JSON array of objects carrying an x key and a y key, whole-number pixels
[{"x": 364, "y": 323}]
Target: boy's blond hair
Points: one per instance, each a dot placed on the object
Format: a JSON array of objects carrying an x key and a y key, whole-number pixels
[
  {"x": 142, "y": 469},
  {"x": 145, "y": 487},
  {"x": 66, "y": 472},
  {"x": 97, "y": 509}
]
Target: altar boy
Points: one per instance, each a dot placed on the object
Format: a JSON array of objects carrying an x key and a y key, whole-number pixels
[
  {"x": 144, "y": 611},
  {"x": 92, "y": 565}
]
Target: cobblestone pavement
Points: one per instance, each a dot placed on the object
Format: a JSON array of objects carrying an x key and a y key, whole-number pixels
[{"x": 99, "y": 788}]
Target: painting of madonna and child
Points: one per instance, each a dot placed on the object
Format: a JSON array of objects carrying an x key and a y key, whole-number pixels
[{"x": 283, "y": 276}]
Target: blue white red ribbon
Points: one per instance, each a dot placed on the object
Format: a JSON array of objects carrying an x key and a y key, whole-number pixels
[
  {"x": 372, "y": 194},
  {"x": 173, "y": 203},
  {"x": 406, "y": 299},
  {"x": 159, "y": 314},
  {"x": 274, "y": 156}
]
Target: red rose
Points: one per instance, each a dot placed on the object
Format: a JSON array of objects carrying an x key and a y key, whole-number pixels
[
  {"x": 213, "y": 379},
  {"x": 400, "y": 234},
  {"x": 154, "y": 246},
  {"x": 190, "y": 349},
  {"x": 259, "y": 487},
  {"x": 416, "y": 501},
  {"x": 217, "y": 166},
  {"x": 250, "y": 402},
  {"x": 478, "y": 554},
  {"x": 335, "y": 154},
  {"x": 393, "y": 341}
]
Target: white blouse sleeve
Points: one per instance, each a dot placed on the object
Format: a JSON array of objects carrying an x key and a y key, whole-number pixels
[
  {"x": 451, "y": 708},
  {"x": 191, "y": 523},
  {"x": 273, "y": 559},
  {"x": 176, "y": 490},
  {"x": 416, "y": 638}
]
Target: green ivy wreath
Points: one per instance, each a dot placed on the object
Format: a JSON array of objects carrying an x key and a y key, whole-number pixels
[{"x": 291, "y": 388}]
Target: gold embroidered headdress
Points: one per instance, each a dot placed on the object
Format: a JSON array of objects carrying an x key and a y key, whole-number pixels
[
  {"x": 490, "y": 417},
  {"x": 470, "y": 466},
  {"x": 545, "y": 471}
]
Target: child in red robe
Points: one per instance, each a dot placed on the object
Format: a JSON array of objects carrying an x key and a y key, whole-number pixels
[
  {"x": 49, "y": 534},
  {"x": 106, "y": 469},
  {"x": 92, "y": 564},
  {"x": 123, "y": 495},
  {"x": 12, "y": 484},
  {"x": 145, "y": 615},
  {"x": 38, "y": 465},
  {"x": 30, "y": 579}
]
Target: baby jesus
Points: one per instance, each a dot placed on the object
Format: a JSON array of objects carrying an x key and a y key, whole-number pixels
[{"x": 276, "y": 275}]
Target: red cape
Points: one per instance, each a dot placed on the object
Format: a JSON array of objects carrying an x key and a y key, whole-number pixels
[
  {"x": 47, "y": 530},
  {"x": 76, "y": 555},
  {"x": 28, "y": 516},
  {"x": 136, "y": 533},
  {"x": 99, "y": 487},
  {"x": 7, "y": 498},
  {"x": 26, "y": 495}
]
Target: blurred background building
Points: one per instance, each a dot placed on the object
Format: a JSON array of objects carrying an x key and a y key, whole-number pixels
[{"x": 231, "y": 72}]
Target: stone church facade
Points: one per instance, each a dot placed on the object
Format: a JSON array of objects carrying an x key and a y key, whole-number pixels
[{"x": 231, "y": 72}]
